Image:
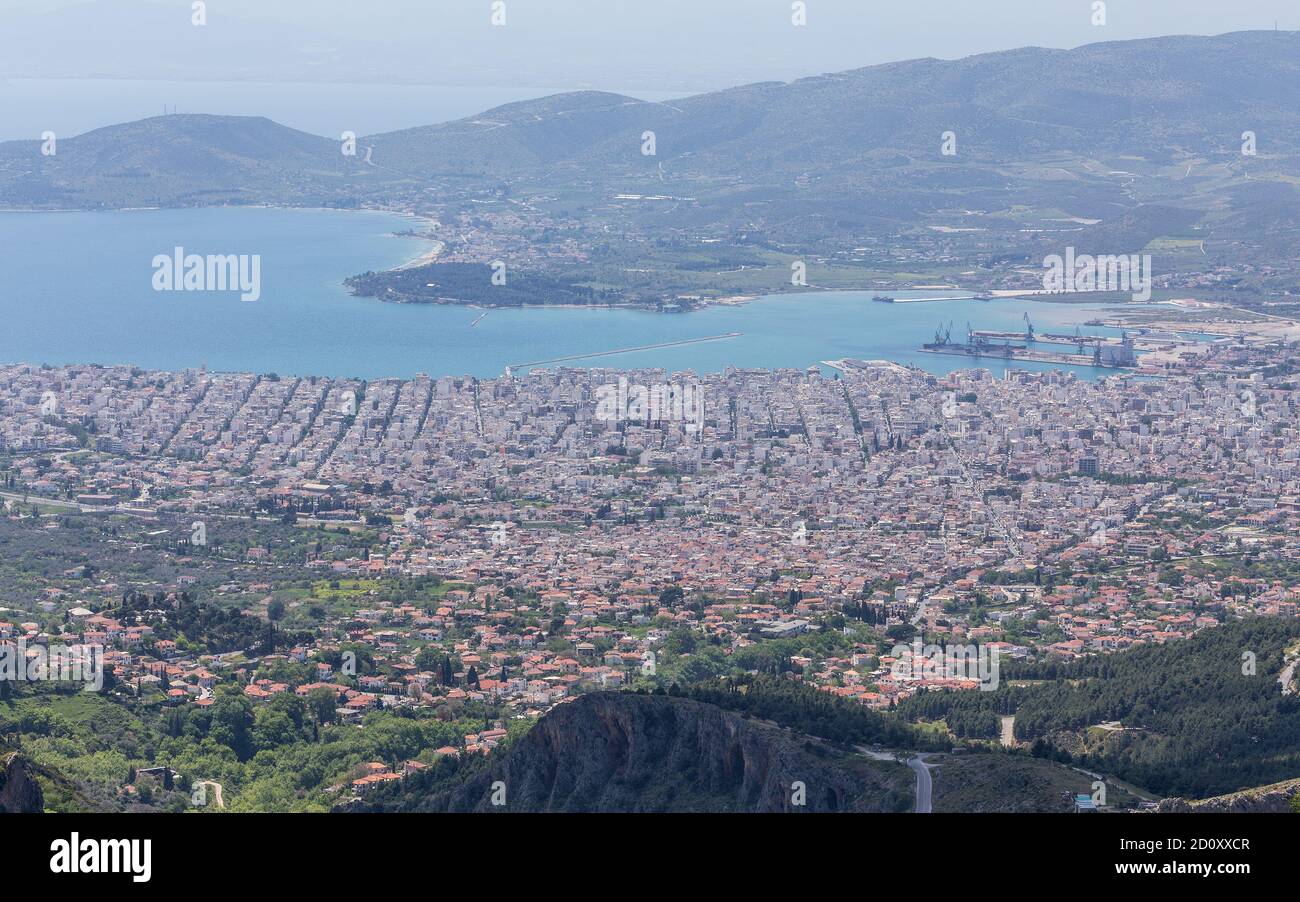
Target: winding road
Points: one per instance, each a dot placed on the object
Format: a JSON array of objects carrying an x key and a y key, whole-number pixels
[
  {"x": 216, "y": 792},
  {"x": 919, "y": 764},
  {"x": 924, "y": 786}
]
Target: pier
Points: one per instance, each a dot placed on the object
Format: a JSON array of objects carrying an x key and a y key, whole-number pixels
[
  {"x": 1021, "y": 353},
  {"x": 960, "y": 297},
  {"x": 1107, "y": 353}
]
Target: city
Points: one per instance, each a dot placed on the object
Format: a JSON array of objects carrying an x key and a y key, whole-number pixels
[
  {"x": 697, "y": 417},
  {"x": 1039, "y": 514}
]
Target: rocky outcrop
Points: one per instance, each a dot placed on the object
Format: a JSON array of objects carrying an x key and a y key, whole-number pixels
[
  {"x": 621, "y": 751},
  {"x": 1275, "y": 799},
  {"x": 19, "y": 791}
]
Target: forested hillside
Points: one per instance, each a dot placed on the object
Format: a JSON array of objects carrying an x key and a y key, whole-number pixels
[{"x": 1188, "y": 718}]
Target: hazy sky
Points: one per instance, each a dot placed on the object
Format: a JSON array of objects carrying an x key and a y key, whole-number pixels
[{"x": 679, "y": 45}]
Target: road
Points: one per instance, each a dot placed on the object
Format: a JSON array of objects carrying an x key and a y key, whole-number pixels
[
  {"x": 20, "y": 498},
  {"x": 1287, "y": 676},
  {"x": 924, "y": 786},
  {"x": 49, "y": 502},
  {"x": 992, "y": 517},
  {"x": 216, "y": 792},
  {"x": 919, "y": 764},
  {"x": 920, "y": 613}
]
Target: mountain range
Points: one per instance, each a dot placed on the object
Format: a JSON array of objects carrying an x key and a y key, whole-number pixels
[
  {"x": 1161, "y": 99},
  {"x": 985, "y": 159}
]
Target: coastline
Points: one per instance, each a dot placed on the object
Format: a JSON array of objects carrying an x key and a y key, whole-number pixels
[{"x": 429, "y": 256}]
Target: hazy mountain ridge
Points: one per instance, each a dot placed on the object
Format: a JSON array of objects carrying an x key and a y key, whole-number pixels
[
  {"x": 515, "y": 138},
  {"x": 1156, "y": 98},
  {"x": 1110, "y": 148},
  {"x": 1103, "y": 98},
  {"x": 183, "y": 160}
]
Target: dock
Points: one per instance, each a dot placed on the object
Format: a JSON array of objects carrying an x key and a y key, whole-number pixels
[
  {"x": 1020, "y": 353},
  {"x": 1106, "y": 353},
  {"x": 963, "y": 297}
]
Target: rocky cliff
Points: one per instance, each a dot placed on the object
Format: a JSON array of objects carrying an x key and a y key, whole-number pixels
[
  {"x": 1274, "y": 799},
  {"x": 19, "y": 791},
  {"x": 619, "y": 751}
]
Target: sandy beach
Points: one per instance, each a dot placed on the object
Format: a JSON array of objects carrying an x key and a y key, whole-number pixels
[{"x": 429, "y": 256}]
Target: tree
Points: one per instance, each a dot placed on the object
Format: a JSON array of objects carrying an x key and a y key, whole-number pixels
[
  {"x": 272, "y": 729},
  {"x": 671, "y": 595},
  {"x": 174, "y": 721},
  {"x": 428, "y": 658},
  {"x": 321, "y": 703},
  {"x": 232, "y": 722},
  {"x": 901, "y": 632}
]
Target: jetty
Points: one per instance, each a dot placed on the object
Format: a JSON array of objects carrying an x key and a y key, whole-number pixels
[{"x": 1106, "y": 353}]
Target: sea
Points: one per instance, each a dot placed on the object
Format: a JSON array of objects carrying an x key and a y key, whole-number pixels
[{"x": 78, "y": 287}]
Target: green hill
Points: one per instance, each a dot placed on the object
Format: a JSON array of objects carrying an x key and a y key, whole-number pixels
[{"x": 1186, "y": 718}]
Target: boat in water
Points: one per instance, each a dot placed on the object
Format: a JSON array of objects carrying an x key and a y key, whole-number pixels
[{"x": 883, "y": 299}]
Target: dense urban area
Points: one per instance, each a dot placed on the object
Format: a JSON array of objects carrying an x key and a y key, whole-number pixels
[{"x": 269, "y": 562}]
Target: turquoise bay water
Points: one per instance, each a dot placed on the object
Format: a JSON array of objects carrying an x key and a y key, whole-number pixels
[{"x": 76, "y": 288}]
